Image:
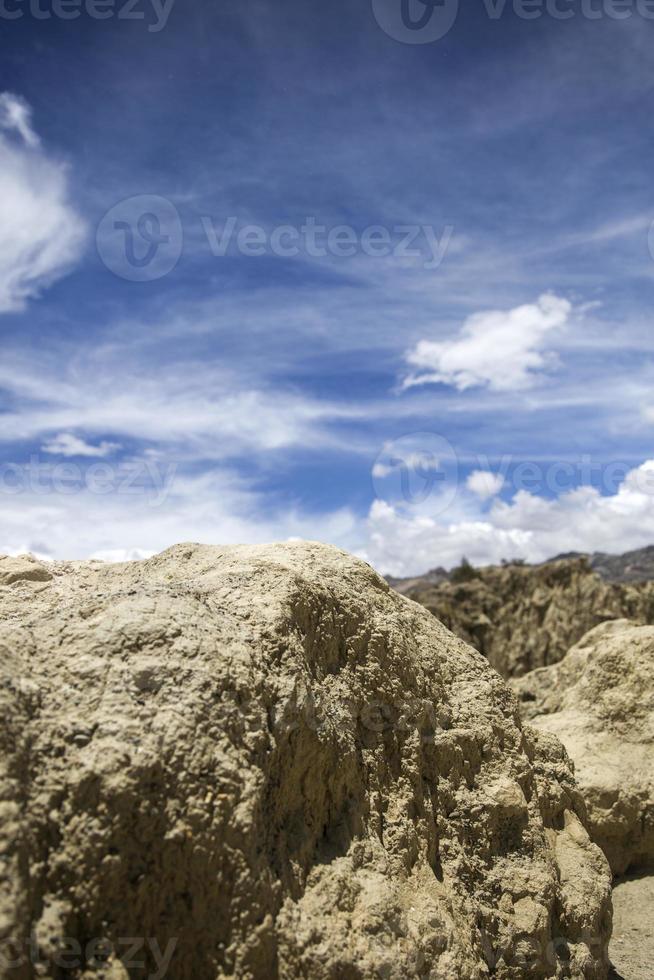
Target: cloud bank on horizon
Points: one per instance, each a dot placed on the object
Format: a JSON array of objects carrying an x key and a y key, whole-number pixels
[
  {"x": 527, "y": 526},
  {"x": 497, "y": 406}
]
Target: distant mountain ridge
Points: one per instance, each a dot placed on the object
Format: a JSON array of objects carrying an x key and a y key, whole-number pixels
[{"x": 632, "y": 566}]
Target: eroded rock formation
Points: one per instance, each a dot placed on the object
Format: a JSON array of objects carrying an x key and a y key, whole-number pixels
[
  {"x": 265, "y": 763},
  {"x": 599, "y": 700},
  {"x": 526, "y": 616}
]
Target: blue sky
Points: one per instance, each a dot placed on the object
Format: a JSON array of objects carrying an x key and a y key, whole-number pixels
[{"x": 464, "y": 367}]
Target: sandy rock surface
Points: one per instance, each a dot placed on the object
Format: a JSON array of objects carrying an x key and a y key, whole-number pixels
[
  {"x": 24, "y": 568},
  {"x": 260, "y": 762},
  {"x": 522, "y": 617},
  {"x": 600, "y": 702},
  {"x": 632, "y": 944}
]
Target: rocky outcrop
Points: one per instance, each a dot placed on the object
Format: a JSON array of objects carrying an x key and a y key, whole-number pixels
[
  {"x": 262, "y": 763},
  {"x": 526, "y": 616},
  {"x": 24, "y": 568},
  {"x": 600, "y": 702}
]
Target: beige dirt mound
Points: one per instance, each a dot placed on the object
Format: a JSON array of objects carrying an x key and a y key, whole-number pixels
[
  {"x": 260, "y": 762},
  {"x": 600, "y": 702}
]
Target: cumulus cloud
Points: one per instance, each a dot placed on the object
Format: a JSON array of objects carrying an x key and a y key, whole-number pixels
[
  {"x": 528, "y": 526},
  {"x": 66, "y": 444},
  {"x": 485, "y": 484},
  {"x": 41, "y": 235},
  {"x": 503, "y": 350}
]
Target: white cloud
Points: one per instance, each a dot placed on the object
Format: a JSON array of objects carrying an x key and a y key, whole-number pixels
[
  {"x": 529, "y": 527},
  {"x": 184, "y": 423},
  {"x": 485, "y": 484},
  {"x": 196, "y": 408},
  {"x": 121, "y": 554},
  {"x": 41, "y": 235},
  {"x": 66, "y": 444},
  {"x": 503, "y": 350},
  {"x": 397, "y": 545},
  {"x": 16, "y": 114},
  {"x": 606, "y": 232},
  {"x": 218, "y": 507},
  {"x": 135, "y": 521}
]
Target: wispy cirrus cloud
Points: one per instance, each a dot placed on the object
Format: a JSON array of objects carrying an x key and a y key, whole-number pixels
[
  {"x": 194, "y": 408},
  {"x": 41, "y": 233},
  {"x": 67, "y": 444}
]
